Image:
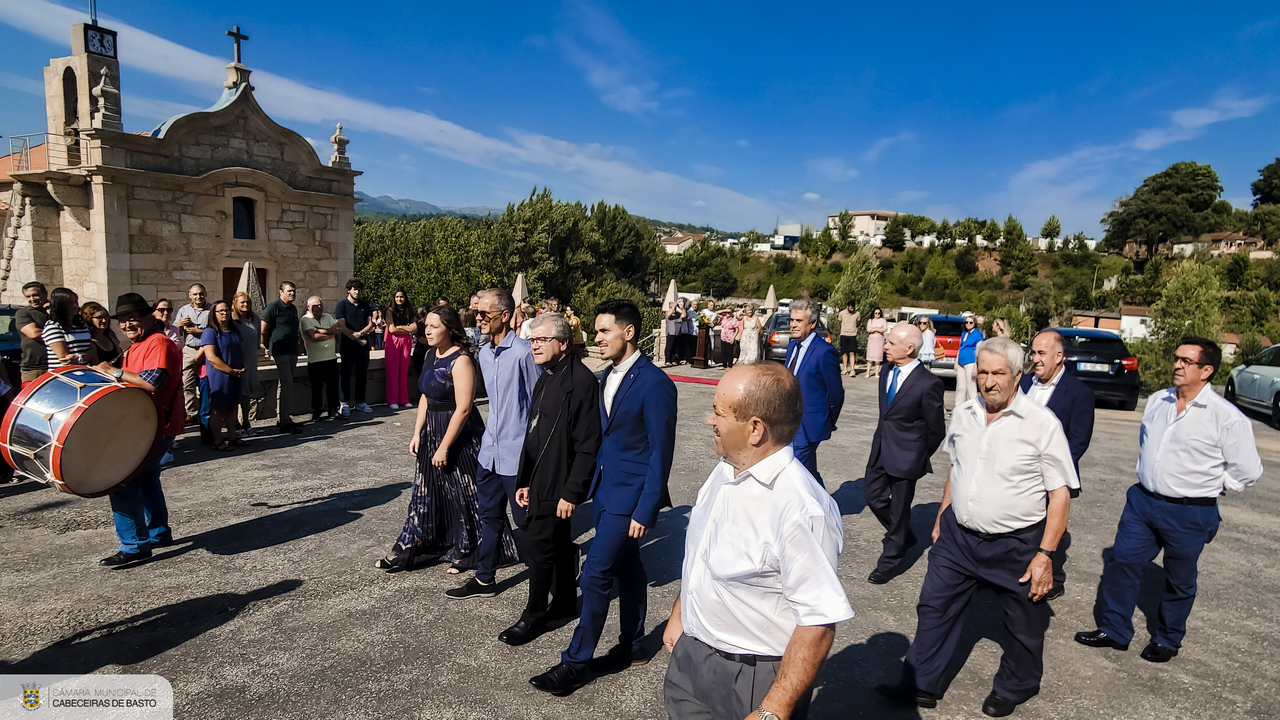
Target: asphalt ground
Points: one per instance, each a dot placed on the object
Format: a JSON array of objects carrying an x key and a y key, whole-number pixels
[{"x": 268, "y": 605}]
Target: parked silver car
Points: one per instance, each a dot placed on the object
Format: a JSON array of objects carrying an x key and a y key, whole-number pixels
[{"x": 1255, "y": 383}]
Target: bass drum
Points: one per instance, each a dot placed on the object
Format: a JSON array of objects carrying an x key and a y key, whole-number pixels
[{"x": 79, "y": 430}]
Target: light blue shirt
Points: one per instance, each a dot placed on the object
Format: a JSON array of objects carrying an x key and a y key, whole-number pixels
[
  {"x": 804, "y": 345},
  {"x": 509, "y": 376}
]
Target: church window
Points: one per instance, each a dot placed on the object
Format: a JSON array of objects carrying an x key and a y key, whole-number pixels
[{"x": 244, "y": 224}]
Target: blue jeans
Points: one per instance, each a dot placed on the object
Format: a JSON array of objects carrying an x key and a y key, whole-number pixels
[
  {"x": 139, "y": 510},
  {"x": 1147, "y": 526}
]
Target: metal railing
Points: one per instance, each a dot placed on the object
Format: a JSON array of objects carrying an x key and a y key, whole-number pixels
[{"x": 47, "y": 151}]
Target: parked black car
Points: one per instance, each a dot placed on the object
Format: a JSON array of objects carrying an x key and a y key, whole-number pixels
[
  {"x": 777, "y": 335},
  {"x": 1103, "y": 362},
  {"x": 10, "y": 344}
]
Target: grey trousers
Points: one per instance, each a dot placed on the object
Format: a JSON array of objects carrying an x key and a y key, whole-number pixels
[
  {"x": 286, "y": 368},
  {"x": 191, "y": 362},
  {"x": 701, "y": 685}
]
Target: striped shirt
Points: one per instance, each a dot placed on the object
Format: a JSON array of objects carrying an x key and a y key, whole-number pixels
[{"x": 77, "y": 340}]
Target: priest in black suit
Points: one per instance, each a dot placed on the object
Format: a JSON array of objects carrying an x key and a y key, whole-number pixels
[
  {"x": 911, "y": 427},
  {"x": 1071, "y": 401}
]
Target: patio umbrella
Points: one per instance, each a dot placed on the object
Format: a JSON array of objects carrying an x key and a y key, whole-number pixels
[
  {"x": 771, "y": 299},
  {"x": 672, "y": 295},
  {"x": 521, "y": 290},
  {"x": 249, "y": 284}
]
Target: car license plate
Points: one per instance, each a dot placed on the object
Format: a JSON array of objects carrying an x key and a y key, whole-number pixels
[{"x": 1094, "y": 367}]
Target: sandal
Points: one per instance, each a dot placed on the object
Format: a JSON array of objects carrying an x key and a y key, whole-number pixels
[
  {"x": 454, "y": 570},
  {"x": 386, "y": 563}
]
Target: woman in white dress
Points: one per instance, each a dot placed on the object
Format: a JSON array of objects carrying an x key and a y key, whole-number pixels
[{"x": 749, "y": 335}]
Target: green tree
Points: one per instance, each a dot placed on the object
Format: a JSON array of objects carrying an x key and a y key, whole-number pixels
[
  {"x": 1239, "y": 271},
  {"x": 895, "y": 234},
  {"x": 967, "y": 230},
  {"x": 1052, "y": 228},
  {"x": 966, "y": 260},
  {"x": 1016, "y": 255},
  {"x": 1189, "y": 304},
  {"x": 1264, "y": 223},
  {"x": 1266, "y": 189},
  {"x": 844, "y": 228},
  {"x": 991, "y": 233},
  {"x": 1174, "y": 202},
  {"x": 860, "y": 282}
]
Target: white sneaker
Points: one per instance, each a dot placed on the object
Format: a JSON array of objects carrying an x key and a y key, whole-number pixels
[
  {"x": 345, "y": 410},
  {"x": 364, "y": 407},
  {"x": 394, "y": 406}
]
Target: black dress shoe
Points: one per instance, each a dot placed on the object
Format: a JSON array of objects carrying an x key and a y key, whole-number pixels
[
  {"x": 522, "y": 632},
  {"x": 906, "y": 695},
  {"x": 124, "y": 558},
  {"x": 1100, "y": 639},
  {"x": 879, "y": 577},
  {"x": 619, "y": 657},
  {"x": 1055, "y": 592},
  {"x": 473, "y": 589},
  {"x": 561, "y": 680},
  {"x": 1158, "y": 653},
  {"x": 997, "y": 706}
]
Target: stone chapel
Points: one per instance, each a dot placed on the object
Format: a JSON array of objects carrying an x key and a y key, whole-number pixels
[{"x": 102, "y": 211}]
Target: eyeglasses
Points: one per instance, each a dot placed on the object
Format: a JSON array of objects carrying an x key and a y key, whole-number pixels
[
  {"x": 164, "y": 309},
  {"x": 486, "y": 314},
  {"x": 541, "y": 340},
  {"x": 1180, "y": 360}
]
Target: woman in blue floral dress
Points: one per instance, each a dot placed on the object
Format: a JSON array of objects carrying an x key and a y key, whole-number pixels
[{"x": 444, "y": 514}]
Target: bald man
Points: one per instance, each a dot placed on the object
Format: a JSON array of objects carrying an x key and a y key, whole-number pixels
[{"x": 911, "y": 427}]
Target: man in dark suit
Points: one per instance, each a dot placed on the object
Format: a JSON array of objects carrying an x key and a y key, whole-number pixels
[
  {"x": 557, "y": 462},
  {"x": 1071, "y": 401},
  {"x": 912, "y": 425},
  {"x": 638, "y": 413},
  {"x": 816, "y": 366}
]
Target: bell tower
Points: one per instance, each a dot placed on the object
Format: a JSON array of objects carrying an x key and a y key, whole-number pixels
[{"x": 82, "y": 91}]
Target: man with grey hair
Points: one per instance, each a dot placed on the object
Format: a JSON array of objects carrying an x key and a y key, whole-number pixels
[
  {"x": 816, "y": 366},
  {"x": 759, "y": 595},
  {"x": 912, "y": 425},
  {"x": 1071, "y": 401},
  {"x": 557, "y": 463},
  {"x": 1004, "y": 509}
]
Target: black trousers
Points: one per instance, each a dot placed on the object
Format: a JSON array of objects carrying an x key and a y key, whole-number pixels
[
  {"x": 355, "y": 363},
  {"x": 726, "y": 354},
  {"x": 958, "y": 563},
  {"x": 552, "y": 557},
  {"x": 889, "y": 499},
  {"x": 324, "y": 386},
  {"x": 673, "y": 348}
]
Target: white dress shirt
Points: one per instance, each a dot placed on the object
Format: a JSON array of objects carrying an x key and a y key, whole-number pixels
[
  {"x": 1197, "y": 453},
  {"x": 903, "y": 372},
  {"x": 1041, "y": 392},
  {"x": 799, "y": 358},
  {"x": 760, "y": 557},
  {"x": 614, "y": 380},
  {"x": 1002, "y": 472}
]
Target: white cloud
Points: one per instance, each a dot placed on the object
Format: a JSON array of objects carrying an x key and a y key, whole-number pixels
[
  {"x": 153, "y": 109},
  {"x": 878, "y": 147},
  {"x": 598, "y": 171},
  {"x": 707, "y": 171},
  {"x": 812, "y": 197},
  {"x": 22, "y": 84},
  {"x": 832, "y": 168},
  {"x": 610, "y": 59},
  {"x": 699, "y": 203},
  {"x": 1188, "y": 123}
]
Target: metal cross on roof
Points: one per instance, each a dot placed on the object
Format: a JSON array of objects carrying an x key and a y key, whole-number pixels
[{"x": 237, "y": 36}]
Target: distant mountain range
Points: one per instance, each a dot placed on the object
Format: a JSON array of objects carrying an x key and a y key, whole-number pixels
[{"x": 385, "y": 204}]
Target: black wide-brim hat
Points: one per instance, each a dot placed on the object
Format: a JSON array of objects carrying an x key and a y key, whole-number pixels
[{"x": 132, "y": 302}]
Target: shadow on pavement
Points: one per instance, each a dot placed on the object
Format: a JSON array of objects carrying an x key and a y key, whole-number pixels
[
  {"x": 851, "y": 496},
  {"x": 145, "y": 635},
  {"x": 662, "y": 549},
  {"x": 21, "y": 488},
  {"x": 845, "y": 685},
  {"x": 922, "y": 520},
  {"x": 1150, "y": 592},
  {"x": 319, "y": 515}
]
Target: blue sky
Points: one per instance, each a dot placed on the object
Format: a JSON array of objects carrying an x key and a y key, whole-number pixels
[{"x": 730, "y": 114}]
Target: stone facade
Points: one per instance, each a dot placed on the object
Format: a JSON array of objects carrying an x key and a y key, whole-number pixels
[{"x": 191, "y": 201}]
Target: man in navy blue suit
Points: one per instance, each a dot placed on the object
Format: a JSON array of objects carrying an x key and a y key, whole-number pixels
[
  {"x": 638, "y": 414},
  {"x": 912, "y": 426},
  {"x": 816, "y": 366},
  {"x": 1071, "y": 401}
]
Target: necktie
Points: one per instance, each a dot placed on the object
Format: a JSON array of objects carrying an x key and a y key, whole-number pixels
[
  {"x": 893, "y": 385},
  {"x": 795, "y": 358}
]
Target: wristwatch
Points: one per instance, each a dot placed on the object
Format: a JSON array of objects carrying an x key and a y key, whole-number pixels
[
  {"x": 1048, "y": 553},
  {"x": 765, "y": 714},
  {"x": 118, "y": 375}
]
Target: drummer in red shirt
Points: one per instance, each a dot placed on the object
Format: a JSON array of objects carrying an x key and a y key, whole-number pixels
[{"x": 154, "y": 363}]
